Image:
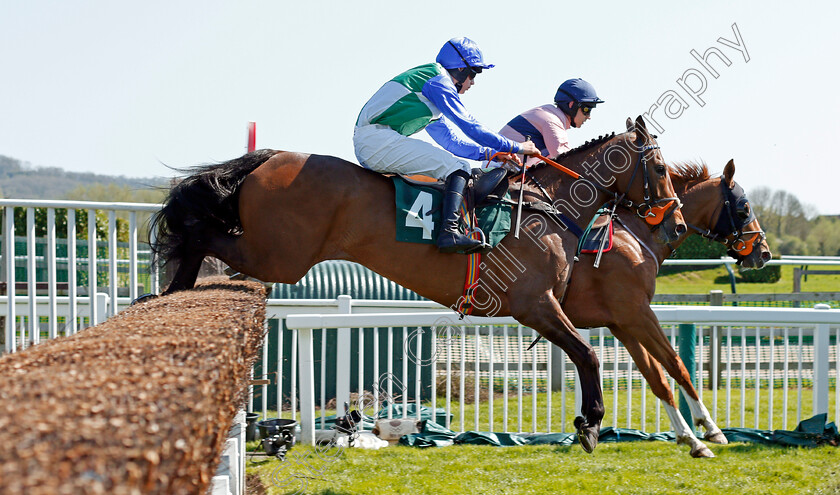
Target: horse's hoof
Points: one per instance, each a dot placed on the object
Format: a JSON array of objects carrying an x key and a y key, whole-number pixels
[
  {"x": 716, "y": 437},
  {"x": 588, "y": 440},
  {"x": 587, "y": 436},
  {"x": 701, "y": 451},
  {"x": 144, "y": 298}
]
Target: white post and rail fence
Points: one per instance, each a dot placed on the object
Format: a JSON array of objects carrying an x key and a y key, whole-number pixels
[
  {"x": 786, "y": 327},
  {"x": 48, "y": 264}
]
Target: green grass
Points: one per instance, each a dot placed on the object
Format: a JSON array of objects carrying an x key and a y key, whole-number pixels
[
  {"x": 701, "y": 281},
  {"x": 641, "y": 467},
  {"x": 626, "y": 468}
]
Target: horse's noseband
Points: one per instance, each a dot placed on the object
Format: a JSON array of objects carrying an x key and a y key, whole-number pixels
[
  {"x": 654, "y": 215},
  {"x": 745, "y": 247}
]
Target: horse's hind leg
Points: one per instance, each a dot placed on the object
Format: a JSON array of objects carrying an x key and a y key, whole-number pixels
[
  {"x": 652, "y": 371},
  {"x": 647, "y": 330},
  {"x": 550, "y": 321}
]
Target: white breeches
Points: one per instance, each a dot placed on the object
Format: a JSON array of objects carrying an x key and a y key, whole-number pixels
[{"x": 382, "y": 149}]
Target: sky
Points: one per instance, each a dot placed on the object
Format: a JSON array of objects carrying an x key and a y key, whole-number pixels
[{"x": 129, "y": 88}]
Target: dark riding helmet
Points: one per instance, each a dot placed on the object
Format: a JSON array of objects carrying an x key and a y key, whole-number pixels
[
  {"x": 459, "y": 53},
  {"x": 577, "y": 91}
]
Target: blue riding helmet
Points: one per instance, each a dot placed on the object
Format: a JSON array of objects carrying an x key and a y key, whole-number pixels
[
  {"x": 461, "y": 52},
  {"x": 576, "y": 90}
]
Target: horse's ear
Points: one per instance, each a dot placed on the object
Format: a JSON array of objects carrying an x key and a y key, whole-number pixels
[
  {"x": 629, "y": 124},
  {"x": 642, "y": 135},
  {"x": 728, "y": 173}
]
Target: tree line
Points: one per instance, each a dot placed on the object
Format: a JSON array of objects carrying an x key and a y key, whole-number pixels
[
  {"x": 20, "y": 180},
  {"x": 794, "y": 228}
]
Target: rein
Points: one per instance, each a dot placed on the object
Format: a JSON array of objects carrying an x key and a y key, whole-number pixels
[
  {"x": 650, "y": 211},
  {"x": 653, "y": 212}
]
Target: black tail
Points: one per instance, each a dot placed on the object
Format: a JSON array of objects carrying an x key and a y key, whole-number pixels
[{"x": 206, "y": 200}]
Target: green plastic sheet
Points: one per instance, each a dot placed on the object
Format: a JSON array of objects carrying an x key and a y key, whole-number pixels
[{"x": 809, "y": 433}]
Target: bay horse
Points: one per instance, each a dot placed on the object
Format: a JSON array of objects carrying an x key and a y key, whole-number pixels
[
  {"x": 618, "y": 293},
  {"x": 273, "y": 215}
]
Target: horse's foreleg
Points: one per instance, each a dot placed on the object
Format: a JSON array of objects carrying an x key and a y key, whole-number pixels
[
  {"x": 703, "y": 418},
  {"x": 700, "y": 415},
  {"x": 653, "y": 339},
  {"x": 186, "y": 273},
  {"x": 548, "y": 319},
  {"x": 684, "y": 434},
  {"x": 652, "y": 371},
  {"x": 205, "y": 243}
]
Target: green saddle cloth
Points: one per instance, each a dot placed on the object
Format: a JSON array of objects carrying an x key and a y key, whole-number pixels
[{"x": 418, "y": 215}]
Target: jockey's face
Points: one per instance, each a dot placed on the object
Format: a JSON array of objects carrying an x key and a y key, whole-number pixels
[
  {"x": 580, "y": 117},
  {"x": 467, "y": 84},
  {"x": 469, "y": 81}
]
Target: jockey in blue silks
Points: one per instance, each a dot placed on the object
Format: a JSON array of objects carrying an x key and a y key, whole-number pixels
[{"x": 428, "y": 97}]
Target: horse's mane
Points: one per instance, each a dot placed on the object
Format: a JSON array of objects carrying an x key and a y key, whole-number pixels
[
  {"x": 587, "y": 145},
  {"x": 689, "y": 172}
]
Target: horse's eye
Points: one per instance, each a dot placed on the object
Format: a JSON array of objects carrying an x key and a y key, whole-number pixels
[
  {"x": 660, "y": 169},
  {"x": 743, "y": 210}
]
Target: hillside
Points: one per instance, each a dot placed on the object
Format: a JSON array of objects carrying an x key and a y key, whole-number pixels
[{"x": 20, "y": 180}]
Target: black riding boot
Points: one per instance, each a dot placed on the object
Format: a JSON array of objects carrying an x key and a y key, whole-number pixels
[{"x": 451, "y": 240}]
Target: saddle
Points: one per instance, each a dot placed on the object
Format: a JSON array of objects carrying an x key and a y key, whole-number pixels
[
  {"x": 490, "y": 187},
  {"x": 486, "y": 207},
  {"x": 599, "y": 232},
  {"x": 483, "y": 189}
]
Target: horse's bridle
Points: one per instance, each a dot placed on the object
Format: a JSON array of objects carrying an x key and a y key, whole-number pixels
[
  {"x": 735, "y": 214},
  {"x": 654, "y": 212}
]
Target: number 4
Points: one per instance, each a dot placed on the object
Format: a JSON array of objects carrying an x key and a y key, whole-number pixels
[{"x": 419, "y": 215}]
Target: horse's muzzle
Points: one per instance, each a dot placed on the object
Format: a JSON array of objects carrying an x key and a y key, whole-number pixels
[{"x": 760, "y": 260}]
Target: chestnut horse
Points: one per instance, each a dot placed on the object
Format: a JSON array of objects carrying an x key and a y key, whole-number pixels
[
  {"x": 273, "y": 215},
  {"x": 617, "y": 295}
]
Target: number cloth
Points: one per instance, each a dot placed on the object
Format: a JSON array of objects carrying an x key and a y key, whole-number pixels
[{"x": 418, "y": 215}]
